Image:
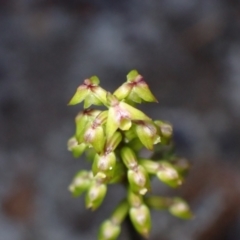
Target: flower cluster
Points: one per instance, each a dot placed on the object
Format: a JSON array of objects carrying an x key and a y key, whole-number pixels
[{"x": 113, "y": 140}]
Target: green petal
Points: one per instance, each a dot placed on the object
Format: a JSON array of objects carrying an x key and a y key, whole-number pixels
[
  {"x": 134, "y": 97},
  {"x": 132, "y": 75},
  {"x": 91, "y": 100},
  {"x": 142, "y": 90},
  {"x": 79, "y": 96},
  {"x": 100, "y": 94},
  {"x": 123, "y": 91},
  {"x": 134, "y": 113},
  {"x": 94, "y": 80}
]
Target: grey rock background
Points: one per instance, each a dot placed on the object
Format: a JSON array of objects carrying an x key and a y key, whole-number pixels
[{"x": 188, "y": 52}]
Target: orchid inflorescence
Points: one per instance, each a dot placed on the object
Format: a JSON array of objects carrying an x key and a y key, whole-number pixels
[{"x": 113, "y": 139}]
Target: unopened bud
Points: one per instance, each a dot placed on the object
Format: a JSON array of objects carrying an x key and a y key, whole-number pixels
[
  {"x": 141, "y": 219},
  {"x": 129, "y": 158},
  {"x": 95, "y": 195},
  {"x": 168, "y": 174},
  {"x": 180, "y": 208},
  {"x": 95, "y": 137},
  {"x": 80, "y": 183},
  {"x": 166, "y": 131},
  {"x": 83, "y": 120},
  {"x": 105, "y": 164},
  {"x": 109, "y": 231},
  {"x": 147, "y": 133},
  {"x": 75, "y": 148},
  {"x": 139, "y": 180}
]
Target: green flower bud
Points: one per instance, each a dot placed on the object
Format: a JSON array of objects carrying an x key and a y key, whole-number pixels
[
  {"x": 105, "y": 164},
  {"x": 123, "y": 91},
  {"x": 80, "y": 183},
  {"x": 83, "y": 120},
  {"x": 141, "y": 219},
  {"x": 90, "y": 92},
  {"x": 180, "y": 208},
  {"x": 109, "y": 231},
  {"x": 75, "y": 148},
  {"x": 95, "y": 137},
  {"x": 95, "y": 195},
  {"x": 147, "y": 133},
  {"x": 168, "y": 174},
  {"x": 129, "y": 158},
  {"x": 120, "y": 115},
  {"x": 134, "y": 113},
  {"x": 135, "y": 89},
  {"x": 166, "y": 131},
  {"x": 139, "y": 180}
]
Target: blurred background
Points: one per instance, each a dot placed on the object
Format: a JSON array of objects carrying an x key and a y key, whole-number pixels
[{"x": 189, "y": 53}]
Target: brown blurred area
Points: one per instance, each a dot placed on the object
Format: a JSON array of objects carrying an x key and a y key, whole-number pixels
[{"x": 189, "y": 53}]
